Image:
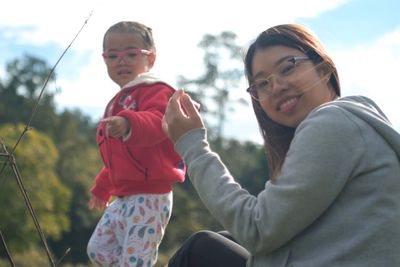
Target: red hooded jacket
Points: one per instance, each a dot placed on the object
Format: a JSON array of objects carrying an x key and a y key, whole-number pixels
[{"x": 145, "y": 161}]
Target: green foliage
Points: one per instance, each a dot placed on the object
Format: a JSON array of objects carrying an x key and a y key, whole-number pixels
[
  {"x": 73, "y": 158},
  {"x": 32, "y": 257},
  {"x": 77, "y": 167},
  {"x": 36, "y": 158},
  {"x": 20, "y": 91}
]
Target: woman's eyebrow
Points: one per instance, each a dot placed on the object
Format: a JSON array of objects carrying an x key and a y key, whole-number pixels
[{"x": 279, "y": 61}]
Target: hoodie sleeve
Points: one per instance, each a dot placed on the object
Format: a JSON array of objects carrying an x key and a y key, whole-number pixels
[
  {"x": 102, "y": 184},
  {"x": 321, "y": 159},
  {"x": 146, "y": 127}
]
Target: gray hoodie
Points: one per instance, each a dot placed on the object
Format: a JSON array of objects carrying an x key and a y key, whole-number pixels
[{"x": 336, "y": 201}]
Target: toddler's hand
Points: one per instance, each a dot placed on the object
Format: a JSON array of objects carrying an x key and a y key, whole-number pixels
[
  {"x": 116, "y": 126},
  {"x": 97, "y": 203}
]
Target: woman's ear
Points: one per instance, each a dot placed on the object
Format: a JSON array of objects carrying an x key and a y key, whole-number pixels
[{"x": 324, "y": 71}]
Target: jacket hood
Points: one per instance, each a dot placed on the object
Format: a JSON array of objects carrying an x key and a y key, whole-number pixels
[
  {"x": 147, "y": 78},
  {"x": 367, "y": 110}
]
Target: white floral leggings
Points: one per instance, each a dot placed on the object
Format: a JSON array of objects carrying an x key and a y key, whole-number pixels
[{"x": 130, "y": 231}]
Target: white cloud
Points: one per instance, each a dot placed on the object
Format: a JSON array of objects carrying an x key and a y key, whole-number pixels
[
  {"x": 372, "y": 70},
  {"x": 55, "y": 20}
]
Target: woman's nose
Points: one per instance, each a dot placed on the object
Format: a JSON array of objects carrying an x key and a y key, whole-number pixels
[{"x": 277, "y": 84}]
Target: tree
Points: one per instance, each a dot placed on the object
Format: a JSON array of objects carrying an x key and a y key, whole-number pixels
[
  {"x": 20, "y": 91},
  {"x": 213, "y": 89},
  {"x": 75, "y": 160},
  {"x": 36, "y": 158},
  {"x": 78, "y": 165}
]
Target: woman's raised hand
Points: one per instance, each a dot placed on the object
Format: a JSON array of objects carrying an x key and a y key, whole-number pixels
[{"x": 182, "y": 115}]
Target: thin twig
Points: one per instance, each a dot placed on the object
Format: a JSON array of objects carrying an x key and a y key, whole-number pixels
[
  {"x": 10, "y": 259},
  {"x": 10, "y": 156}
]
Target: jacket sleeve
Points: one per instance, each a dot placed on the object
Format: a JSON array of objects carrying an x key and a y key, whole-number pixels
[
  {"x": 321, "y": 159},
  {"x": 102, "y": 183},
  {"x": 146, "y": 127}
]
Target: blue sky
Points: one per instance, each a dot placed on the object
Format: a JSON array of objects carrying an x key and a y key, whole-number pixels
[
  {"x": 362, "y": 36},
  {"x": 356, "y": 21}
]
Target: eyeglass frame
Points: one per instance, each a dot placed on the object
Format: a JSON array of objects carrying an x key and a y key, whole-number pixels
[
  {"x": 294, "y": 59},
  {"x": 122, "y": 54}
]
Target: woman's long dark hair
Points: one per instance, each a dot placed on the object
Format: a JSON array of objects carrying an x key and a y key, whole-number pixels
[{"x": 277, "y": 137}]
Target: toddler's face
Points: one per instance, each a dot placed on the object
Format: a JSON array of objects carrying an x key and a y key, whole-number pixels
[{"x": 124, "y": 67}]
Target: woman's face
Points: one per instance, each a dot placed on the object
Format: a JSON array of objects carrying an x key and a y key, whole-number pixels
[{"x": 289, "y": 85}]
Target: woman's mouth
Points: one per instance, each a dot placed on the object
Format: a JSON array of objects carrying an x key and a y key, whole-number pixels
[{"x": 288, "y": 105}]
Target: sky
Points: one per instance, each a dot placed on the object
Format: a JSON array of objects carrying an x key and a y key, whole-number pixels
[{"x": 362, "y": 37}]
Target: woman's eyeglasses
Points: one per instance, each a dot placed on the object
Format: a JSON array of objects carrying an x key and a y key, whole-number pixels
[
  {"x": 129, "y": 55},
  {"x": 262, "y": 87}
]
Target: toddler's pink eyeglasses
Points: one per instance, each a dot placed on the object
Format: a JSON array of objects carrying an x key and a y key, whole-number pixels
[{"x": 129, "y": 55}]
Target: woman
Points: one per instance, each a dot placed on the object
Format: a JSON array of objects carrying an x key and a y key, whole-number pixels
[{"x": 333, "y": 198}]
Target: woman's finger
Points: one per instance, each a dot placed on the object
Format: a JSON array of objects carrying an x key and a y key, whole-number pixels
[
  {"x": 191, "y": 109},
  {"x": 174, "y": 106}
]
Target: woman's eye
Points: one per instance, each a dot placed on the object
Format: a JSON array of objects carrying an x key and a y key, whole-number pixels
[
  {"x": 288, "y": 68},
  {"x": 262, "y": 84},
  {"x": 112, "y": 56}
]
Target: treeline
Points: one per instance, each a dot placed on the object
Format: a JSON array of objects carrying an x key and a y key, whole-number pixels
[{"x": 57, "y": 160}]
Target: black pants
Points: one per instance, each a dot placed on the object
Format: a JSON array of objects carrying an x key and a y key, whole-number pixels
[{"x": 210, "y": 249}]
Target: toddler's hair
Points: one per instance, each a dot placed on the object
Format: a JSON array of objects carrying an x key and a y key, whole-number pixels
[{"x": 133, "y": 27}]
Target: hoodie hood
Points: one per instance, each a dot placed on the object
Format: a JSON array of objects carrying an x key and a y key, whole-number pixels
[
  {"x": 367, "y": 110},
  {"x": 147, "y": 78}
]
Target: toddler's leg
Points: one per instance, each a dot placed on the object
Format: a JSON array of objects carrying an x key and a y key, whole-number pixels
[
  {"x": 103, "y": 247},
  {"x": 145, "y": 228}
]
